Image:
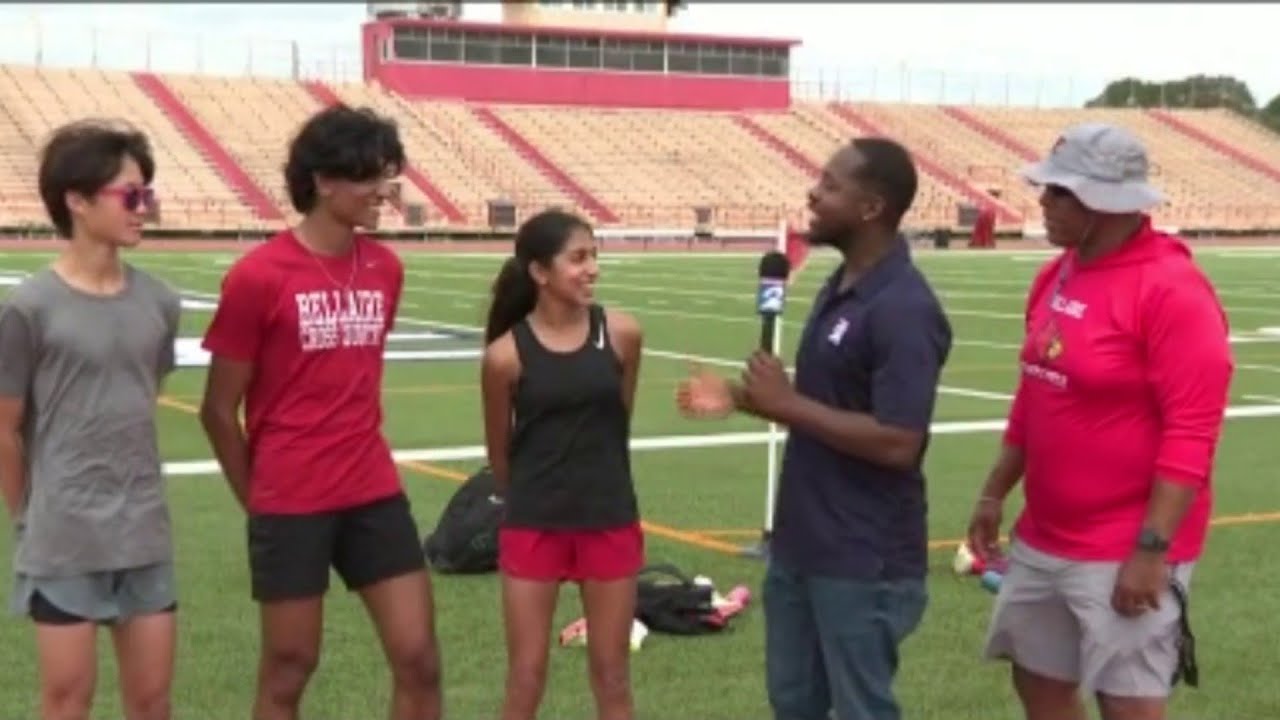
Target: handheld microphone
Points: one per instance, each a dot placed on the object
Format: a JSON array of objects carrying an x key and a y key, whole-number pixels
[{"x": 774, "y": 269}]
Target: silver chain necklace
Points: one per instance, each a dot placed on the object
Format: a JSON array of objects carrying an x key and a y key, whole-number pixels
[{"x": 355, "y": 264}]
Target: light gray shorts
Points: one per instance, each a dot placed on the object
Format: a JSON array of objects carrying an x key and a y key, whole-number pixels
[
  {"x": 1054, "y": 618},
  {"x": 102, "y": 597}
]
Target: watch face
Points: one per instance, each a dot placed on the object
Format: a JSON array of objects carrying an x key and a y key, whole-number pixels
[{"x": 1149, "y": 540}]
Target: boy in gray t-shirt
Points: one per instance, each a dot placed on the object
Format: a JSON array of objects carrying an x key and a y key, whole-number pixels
[{"x": 84, "y": 347}]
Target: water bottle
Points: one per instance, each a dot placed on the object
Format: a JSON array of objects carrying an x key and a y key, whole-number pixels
[{"x": 991, "y": 581}]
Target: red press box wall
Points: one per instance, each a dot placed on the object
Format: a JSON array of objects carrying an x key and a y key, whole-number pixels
[{"x": 568, "y": 87}]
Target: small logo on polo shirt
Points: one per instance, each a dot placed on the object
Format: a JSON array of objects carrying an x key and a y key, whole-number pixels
[{"x": 838, "y": 331}]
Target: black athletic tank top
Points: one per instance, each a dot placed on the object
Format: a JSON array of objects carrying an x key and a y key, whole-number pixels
[{"x": 570, "y": 464}]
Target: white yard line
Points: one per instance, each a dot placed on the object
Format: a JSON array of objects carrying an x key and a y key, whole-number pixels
[
  {"x": 1259, "y": 368},
  {"x": 725, "y": 362},
  {"x": 671, "y": 442}
]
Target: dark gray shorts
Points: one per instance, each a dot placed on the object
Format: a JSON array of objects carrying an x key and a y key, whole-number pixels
[{"x": 102, "y": 597}]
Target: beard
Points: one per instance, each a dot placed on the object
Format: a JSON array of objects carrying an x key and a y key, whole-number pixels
[
  {"x": 838, "y": 238},
  {"x": 824, "y": 237}
]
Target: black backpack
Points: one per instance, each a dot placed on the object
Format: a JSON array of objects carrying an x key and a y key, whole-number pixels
[
  {"x": 668, "y": 601},
  {"x": 466, "y": 539}
]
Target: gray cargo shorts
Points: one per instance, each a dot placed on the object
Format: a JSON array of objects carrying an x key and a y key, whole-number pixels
[
  {"x": 113, "y": 596},
  {"x": 1054, "y": 618}
]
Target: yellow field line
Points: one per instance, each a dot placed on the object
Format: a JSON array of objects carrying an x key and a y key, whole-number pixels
[
  {"x": 1246, "y": 519},
  {"x": 1222, "y": 520},
  {"x": 434, "y": 470},
  {"x": 727, "y": 532},
  {"x": 744, "y": 532},
  {"x": 444, "y": 473},
  {"x": 170, "y": 401},
  {"x": 689, "y": 538},
  {"x": 670, "y": 533}
]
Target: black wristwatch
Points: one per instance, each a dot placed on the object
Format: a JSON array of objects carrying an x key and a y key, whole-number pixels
[{"x": 1150, "y": 541}]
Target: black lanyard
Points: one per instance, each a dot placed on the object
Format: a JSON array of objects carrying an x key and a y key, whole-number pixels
[
  {"x": 1064, "y": 271},
  {"x": 1186, "y": 669}
]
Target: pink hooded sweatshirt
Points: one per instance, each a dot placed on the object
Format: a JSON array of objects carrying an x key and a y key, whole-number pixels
[{"x": 1125, "y": 375}]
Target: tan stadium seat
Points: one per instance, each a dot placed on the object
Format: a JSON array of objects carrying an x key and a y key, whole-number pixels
[
  {"x": 650, "y": 167},
  {"x": 653, "y": 167},
  {"x": 191, "y": 192},
  {"x": 1202, "y": 186}
]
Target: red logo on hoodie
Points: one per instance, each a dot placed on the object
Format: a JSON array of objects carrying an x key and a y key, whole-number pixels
[{"x": 1048, "y": 341}]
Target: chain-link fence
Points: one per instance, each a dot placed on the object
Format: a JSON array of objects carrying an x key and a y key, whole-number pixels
[
  {"x": 200, "y": 53},
  {"x": 119, "y": 47}
]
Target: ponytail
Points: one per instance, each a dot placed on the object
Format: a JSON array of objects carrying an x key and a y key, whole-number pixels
[{"x": 514, "y": 296}]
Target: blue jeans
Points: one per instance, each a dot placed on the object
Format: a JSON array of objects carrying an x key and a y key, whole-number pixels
[{"x": 832, "y": 644}]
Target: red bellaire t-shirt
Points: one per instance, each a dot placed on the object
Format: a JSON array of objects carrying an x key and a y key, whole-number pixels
[
  {"x": 1125, "y": 378},
  {"x": 314, "y": 407}
]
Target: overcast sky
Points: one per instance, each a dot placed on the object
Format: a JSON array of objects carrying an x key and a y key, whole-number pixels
[{"x": 1024, "y": 54}]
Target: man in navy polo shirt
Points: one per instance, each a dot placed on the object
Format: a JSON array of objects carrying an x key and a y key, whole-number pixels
[{"x": 845, "y": 584}]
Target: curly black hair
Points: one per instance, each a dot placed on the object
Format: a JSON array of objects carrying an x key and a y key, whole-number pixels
[{"x": 341, "y": 142}]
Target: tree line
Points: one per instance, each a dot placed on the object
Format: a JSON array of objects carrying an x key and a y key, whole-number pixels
[{"x": 1196, "y": 91}]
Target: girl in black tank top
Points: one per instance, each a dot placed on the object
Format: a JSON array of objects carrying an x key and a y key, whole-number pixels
[
  {"x": 558, "y": 383},
  {"x": 570, "y": 467}
]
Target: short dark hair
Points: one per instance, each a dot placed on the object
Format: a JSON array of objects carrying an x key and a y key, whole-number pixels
[
  {"x": 84, "y": 157},
  {"x": 888, "y": 169},
  {"x": 344, "y": 143}
]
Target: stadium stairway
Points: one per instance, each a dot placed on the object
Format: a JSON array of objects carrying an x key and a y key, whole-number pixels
[
  {"x": 956, "y": 183},
  {"x": 1248, "y": 160},
  {"x": 991, "y": 132},
  {"x": 794, "y": 156},
  {"x": 326, "y": 97},
  {"x": 202, "y": 139},
  {"x": 526, "y": 149}
]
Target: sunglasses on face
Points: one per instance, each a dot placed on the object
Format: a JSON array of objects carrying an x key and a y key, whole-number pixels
[
  {"x": 133, "y": 197},
  {"x": 1058, "y": 191}
]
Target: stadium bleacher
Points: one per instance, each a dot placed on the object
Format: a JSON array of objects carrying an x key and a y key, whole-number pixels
[
  {"x": 220, "y": 144},
  {"x": 34, "y": 101},
  {"x": 1203, "y": 185}
]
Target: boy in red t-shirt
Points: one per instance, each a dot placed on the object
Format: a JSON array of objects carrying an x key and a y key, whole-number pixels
[{"x": 298, "y": 336}]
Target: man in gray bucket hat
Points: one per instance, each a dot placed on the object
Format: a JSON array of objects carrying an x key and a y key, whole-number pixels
[
  {"x": 1125, "y": 370},
  {"x": 1104, "y": 166}
]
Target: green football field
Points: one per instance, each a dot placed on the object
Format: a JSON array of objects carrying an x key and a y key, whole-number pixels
[{"x": 702, "y": 498}]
